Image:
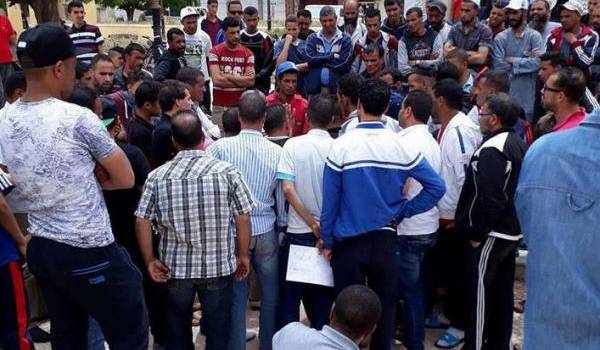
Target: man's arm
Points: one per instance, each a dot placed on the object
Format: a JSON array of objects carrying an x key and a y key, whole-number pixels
[
  {"x": 403, "y": 65},
  {"x": 314, "y": 58},
  {"x": 332, "y": 195},
  {"x": 246, "y": 80},
  {"x": 118, "y": 170},
  {"x": 161, "y": 71},
  {"x": 243, "y": 229},
  {"x": 498, "y": 54},
  {"x": 584, "y": 52},
  {"x": 531, "y": 64},
  {"x": 342, "y": 61},
  {"x": 269, "y": 63},
  {"x": 485, "y": 43},
  {"x": 291, "y": 195},
  {"x": 219, "y": 78},
  {"x": 437, "y": 53},
  {"x": 433, "y": 188}
]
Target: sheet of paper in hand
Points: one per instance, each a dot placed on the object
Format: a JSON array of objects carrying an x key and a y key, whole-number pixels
[{"x": 306, "y": 265}]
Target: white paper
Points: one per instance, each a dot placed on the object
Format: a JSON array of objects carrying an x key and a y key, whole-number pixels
[{"x": 306, "y": 265}]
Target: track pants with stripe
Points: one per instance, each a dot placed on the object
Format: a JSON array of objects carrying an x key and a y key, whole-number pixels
[
  {"x": 492, "y": 272},
  {"x": 14, "y": 313}
]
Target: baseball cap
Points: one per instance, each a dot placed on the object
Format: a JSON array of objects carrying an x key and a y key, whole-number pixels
[
  {"x": 518, "y": 5},
  {"x": 437, "y": 4},
  {"x": 573, "y": 5},
  {"x": 44, "y": 45},
  {"x": 188, "y": 11},
  {"x": 285, "y": 67}
]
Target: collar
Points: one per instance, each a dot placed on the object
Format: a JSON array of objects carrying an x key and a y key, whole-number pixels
[
  {"x": 581, "y": 112},
  {"x": 461, "y": 27},
  {"x": 592, "y": 119},
  {"x": 497, "y": 132},
  {"x": 251, "y": 132},
  {"x": 190, "y": 153},
  {"x": 386, "y": 23},
  {"x": 318, "y": 132},
  {"x": 370, "y": 125},
  {"x": 80, "y": 28},
  {"x": 458, "y": 119},
  {"x": 469, "y": 83},
  {"x": 415, "y": 128},
  {"x": 522, "y": 34},
  {"x": 143, "y": 121},
  {"x": 338, "y": 34},
  {"x": 338, "y": 338},
  {"x": 277, "y": 138}
]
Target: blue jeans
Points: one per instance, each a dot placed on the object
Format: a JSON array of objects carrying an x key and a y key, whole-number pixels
[
  {"x": 214, "y": 295},
  {"x": 263, "y": 257},
  {"x": 411, "y": 254},
  {"x": 100, "y": 282},
  {"x": 95, "y": 336},
  {"x": 317, "y": 299}
]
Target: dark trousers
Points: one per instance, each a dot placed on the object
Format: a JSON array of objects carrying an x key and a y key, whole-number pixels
[
  {"x": 206, "y": 98},
  {"x": 100, "y": 282},
  {"x": 491, "y": 295},
  {"x": 411, "y": 256},
  {"x": 317, "y": 299},
  {"x": 14, "y": 311},
  {"x": 215, "y": 296},
  {"x": 371, "y": 259},
  {"x": 447, "y": 266}
]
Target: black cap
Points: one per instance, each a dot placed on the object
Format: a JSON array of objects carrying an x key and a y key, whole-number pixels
[{"x": 44, "y": 45}]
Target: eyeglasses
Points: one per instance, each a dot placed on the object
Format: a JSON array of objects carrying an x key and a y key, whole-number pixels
[
  {"x": 546, "y": 87},
  {"x": 236, "y": 12},
  {"x": 484, "y": 114}
]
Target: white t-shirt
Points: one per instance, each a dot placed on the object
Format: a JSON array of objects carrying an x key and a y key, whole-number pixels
[
  {"x": 197, "y": 47},
  {"x": 303, "y": 162},
  {"x": 388, "y": 122},
  {"x": 419, "y": 138}
]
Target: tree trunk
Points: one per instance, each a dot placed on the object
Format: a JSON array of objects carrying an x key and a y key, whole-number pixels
[
  {"x": 45, "y": 10},
  {"x": 130, "y": 10}
]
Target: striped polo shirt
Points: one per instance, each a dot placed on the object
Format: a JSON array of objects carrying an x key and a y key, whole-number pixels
[{"x": 87, "y": 40}]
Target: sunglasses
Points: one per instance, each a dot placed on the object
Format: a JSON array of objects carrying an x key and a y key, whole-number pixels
[
  {"x": 236, "y": 12},
  {"x": 547, "y": 88}
]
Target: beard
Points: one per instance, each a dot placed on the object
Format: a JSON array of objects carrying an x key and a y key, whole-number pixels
[
  {"x": 539, "y": 22},
  {"x": 515, "y": 23}
]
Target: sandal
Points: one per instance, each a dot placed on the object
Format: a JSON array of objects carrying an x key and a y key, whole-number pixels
[{"x": 449, "y": 340}]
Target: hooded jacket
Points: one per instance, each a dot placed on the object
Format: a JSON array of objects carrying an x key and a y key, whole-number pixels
[{"x": 332, "y": 58}]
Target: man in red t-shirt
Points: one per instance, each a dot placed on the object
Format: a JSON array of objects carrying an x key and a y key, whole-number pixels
[
  {"x": 231, "y": 68},
  {"x": 8, "y": 38},
  {"x": 287, "y": 82}
]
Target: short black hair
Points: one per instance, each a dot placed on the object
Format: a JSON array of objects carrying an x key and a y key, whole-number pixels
[
  {"x": 498, "y": 79},
  {"x": 134, "y": 77},
  {"x": 374, "y": 96},
  {"x": 423, "y": 72},
  {"x": 117, "y": 49},
  {"x": 275, "y": 119},
  {"x": 101, "y": 57},
  {"x": 252, "y": 106},
  {"x": 74, "y": 4},
  {"x": 459, "y": 54},
  {"x": 451, "y": 91},
  {"x": 447, "y": 70},
  {"x": 572, "y": 83},
  {"x": 555, "y": 59},
  {"x": 231, "y": 121},
  {"x": 251, "y": 11},
  {"x": 416, "y": 10},
  {"x": 212, "y": 2},
  {"x": 233, "y": 2},
  {"x": 16, "y": 80},
  {"x": 356, "y": 310},
  {"x": 373, "y": 12},
  {"x": 81, "y": 68},
  {"x": 420, "y": 103},
  {"x": 188, "y": 75},
  {"x": 291, "y": 19},
  {"x": 172, "y": 32},
  {"x": 348, "y": 85},
  {"x": 370, "y": 48},
  {"x": 186, "y": 129},
  {"x": 84, "y": 96},
  {"x": 320, "y": 110},
  {"x": 134, "y": 47},
  {"x": 304, "y": 13},
  {"x": 147, "y": 92},
  {"x": 229, "y": 22},
  {"x": 393, "y": 72},
  {"x": 505, "y": 108},
  {"x": 391, "y": 3},
  {"x": 170, "y": 92}
]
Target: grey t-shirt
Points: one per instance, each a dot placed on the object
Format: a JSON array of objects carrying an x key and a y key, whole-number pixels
[
  {"x": 296, "y": 336},
  {"x": 50, "y": 148}
]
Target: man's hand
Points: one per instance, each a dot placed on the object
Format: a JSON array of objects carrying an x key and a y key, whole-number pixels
[
  {"x": 288, "y": 39},
  {"x": 22, "y": 246},
  {"x": 158, "y": 271},
  {"x": 570, "y": 38},
  {"x": 243, "y": 267},
  {"x": 509, "y": 60},
  {"x": 475, "y": 244},
  {"x": 316, "y": 230},
  {"x": 434, "y": 56},
  {"x": 412, "y": 63},
  {"x": 326, "y": 254},
  {"x": 291, "y": 117}
]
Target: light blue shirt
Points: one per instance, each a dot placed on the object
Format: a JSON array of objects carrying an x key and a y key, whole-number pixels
[
  {"x": 296, "y": 336},
  {"x": 525, "y": 51},
  {"x": 257, "y": 159},
  {"x": 558, "y": 204}
]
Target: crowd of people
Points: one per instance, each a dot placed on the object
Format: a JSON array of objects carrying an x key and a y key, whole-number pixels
[{"x": 415, "y": 153}]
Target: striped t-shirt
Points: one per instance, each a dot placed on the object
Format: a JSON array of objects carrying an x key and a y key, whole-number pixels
[{"x": 87, "y": 40}]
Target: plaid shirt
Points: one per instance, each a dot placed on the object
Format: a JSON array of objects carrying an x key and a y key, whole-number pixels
[{"x": 192, "y": 199}]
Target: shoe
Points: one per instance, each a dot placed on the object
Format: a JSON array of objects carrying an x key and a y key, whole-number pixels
[
  {"x": 437, "y": 321},
  {"x": 451, "y": 338},
  {"x": 39, "y": 335},
  {"x": 250, "y": 334}
]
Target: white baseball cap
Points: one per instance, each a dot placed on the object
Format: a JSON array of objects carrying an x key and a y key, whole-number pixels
[
  {"x": 518, "y": 5},
  {"x": 188, "y": 11},
  {"x": 574, "y": 5},
  {"x": 476, "y": 2}
]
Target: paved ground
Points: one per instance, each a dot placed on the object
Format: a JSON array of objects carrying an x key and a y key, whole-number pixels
[{"x": 252, "y": 322}]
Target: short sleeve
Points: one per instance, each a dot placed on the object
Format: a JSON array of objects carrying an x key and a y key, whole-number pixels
[
  {"x": 213, "y": 57},
  {"x": 250, "y": 59},
  {"x": 486, "y": 38},
  {"x": 90, "y": 131},
  {"x": 147, "y": 205},
  {"x": 99, "y": 38},
  {"x": 241, "y": 197},
  {"x": 286, "y": 169},
  {"x": 277, "y": 49}
]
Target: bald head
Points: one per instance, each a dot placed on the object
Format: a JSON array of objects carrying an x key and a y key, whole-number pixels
[
  {"x": 350, "y": 12},
  {"x": 351, "y": 4},
  {"x": 187, "y": 130},
  {"x": 252, "y": 106}
]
